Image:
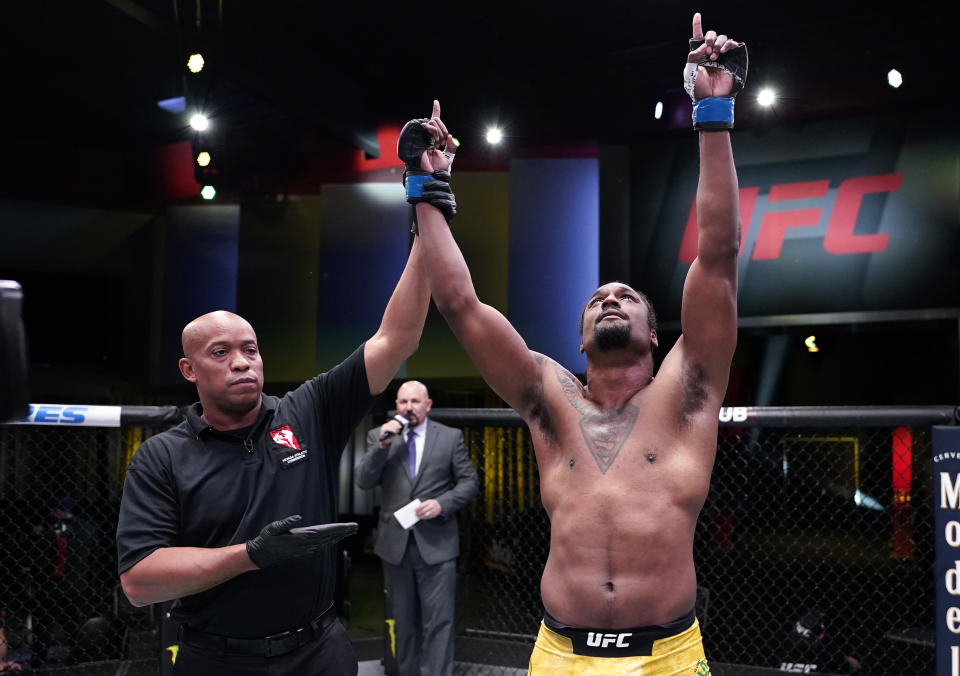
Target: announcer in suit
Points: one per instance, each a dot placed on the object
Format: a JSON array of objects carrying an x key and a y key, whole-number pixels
[{"x": 424, "y": 460}]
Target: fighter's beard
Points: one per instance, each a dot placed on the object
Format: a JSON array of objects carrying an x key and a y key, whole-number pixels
[{"x": 614, "y": 336}]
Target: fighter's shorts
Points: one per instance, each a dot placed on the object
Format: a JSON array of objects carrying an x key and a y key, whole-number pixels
[{"x": 672, "y": 649}]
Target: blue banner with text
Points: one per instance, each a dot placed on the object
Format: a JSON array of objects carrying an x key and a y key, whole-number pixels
[{"x": 946, "y": 495}]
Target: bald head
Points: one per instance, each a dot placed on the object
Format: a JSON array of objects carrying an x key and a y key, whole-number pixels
[
  {"x": 413, "y": 401},
  {"x": 413, "y": 387},
  {"x": 222, "y": 359},
  {"x": 198, "y": 333}
]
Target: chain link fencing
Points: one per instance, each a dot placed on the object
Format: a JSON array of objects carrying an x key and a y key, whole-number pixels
[
  {"x": 819, "y": 517},
  {"x": 61, "y": 608},
  {"x": 824, "y": 512}
]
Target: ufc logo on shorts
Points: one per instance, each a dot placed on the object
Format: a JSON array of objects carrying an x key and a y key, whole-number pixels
[{"x": 596, "y": 639}]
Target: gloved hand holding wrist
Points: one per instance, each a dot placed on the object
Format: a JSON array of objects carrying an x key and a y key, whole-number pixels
[{"x": 427, "y": 149}]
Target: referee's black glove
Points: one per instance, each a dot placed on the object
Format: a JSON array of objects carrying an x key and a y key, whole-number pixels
[{"x": 280, "y": 541}]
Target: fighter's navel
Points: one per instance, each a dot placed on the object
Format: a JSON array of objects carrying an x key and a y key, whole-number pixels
[
  {"x": 572, "y": 463},
  {"x": 651, "y": 457}
]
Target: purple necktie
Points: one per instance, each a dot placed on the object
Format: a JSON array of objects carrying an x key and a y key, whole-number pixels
[{"x": 412, "y": 452}]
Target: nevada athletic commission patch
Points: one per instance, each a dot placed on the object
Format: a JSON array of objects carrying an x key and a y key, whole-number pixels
[{"x": 284, "y": 437}]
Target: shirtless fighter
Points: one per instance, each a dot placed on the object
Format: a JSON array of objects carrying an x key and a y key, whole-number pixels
[{"x": 624, "y": 461}]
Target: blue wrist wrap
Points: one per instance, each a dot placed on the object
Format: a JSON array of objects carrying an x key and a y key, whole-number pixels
[
  {"x": 713, "y": 113},
  {"x": 415, "y": 184}
]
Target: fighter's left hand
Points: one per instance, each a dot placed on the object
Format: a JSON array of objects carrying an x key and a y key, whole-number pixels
[
  {"x": 428, "y": 509},
  {"x": 711, "y": 81},
  {"x": 440, "y": 156}
]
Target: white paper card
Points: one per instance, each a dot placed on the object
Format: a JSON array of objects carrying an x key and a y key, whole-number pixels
[{"x": 406, "y": 516}]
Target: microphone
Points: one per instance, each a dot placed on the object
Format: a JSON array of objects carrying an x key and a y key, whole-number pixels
[{"x": 400, "y": 419}]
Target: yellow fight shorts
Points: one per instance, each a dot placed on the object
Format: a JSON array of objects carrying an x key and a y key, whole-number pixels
[{"x": 673, "y": 649}]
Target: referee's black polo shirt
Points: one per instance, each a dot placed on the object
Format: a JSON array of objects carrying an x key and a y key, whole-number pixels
[{"x": 192, "y": 486}]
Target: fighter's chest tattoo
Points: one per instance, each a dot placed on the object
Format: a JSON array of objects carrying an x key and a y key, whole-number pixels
[{"x": 603, "y": 431}]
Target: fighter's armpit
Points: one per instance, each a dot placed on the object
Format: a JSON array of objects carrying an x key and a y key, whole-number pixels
[
  {"x": 694, "y": 380},
  {"x": 535, "y": 402}
]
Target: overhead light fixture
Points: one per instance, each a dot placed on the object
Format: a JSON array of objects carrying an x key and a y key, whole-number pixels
[
  {"x": 811, "y": 344},
  {"x": 203, "y": 159},
  {"x": 195, "y": 63},
  {"x": 894, "y": 78},
  {"x": 494, "y": 136},
  {"x": 199, "y": 122},
  {"x": 208, "y": 192},
  {"x": 766, "y": 97},
  {"x": 658, "y": 110}
]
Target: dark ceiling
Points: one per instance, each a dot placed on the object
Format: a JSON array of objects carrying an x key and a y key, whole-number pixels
[{"x": 84, "y": 72}]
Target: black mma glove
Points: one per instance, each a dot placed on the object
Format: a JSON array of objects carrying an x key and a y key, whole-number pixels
[
  {"x": 422, "y": 186},
  {"x": 715, "y": 113},
  {"x": 279, "y": 541}
]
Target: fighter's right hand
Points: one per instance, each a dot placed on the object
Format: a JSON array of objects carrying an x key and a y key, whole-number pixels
[
  {"x": 439, "y": 156},
  {"x": 426, "y": 149},
  {"x": 425, "y": 145},
  {"x": 280, "y": 541}
]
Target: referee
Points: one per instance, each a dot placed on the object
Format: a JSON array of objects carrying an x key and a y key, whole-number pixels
[{"x": 232, "y": 512}]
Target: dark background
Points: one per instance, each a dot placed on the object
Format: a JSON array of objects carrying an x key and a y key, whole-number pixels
[{"x": 297, "y": 87}]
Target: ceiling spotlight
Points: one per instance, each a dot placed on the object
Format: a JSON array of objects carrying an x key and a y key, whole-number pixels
[
  {"x": 766, "y": 97},
  {"x": 199, "y": 122},
  {"x": 658, "y": 110},
  {"x": 208, "y": 192},
  {"x": 203, "y": 159},
  {"x": 494, "y": 136},
  {"x": 894, "y": 78},
  {"x": 811, "y": 344},
  {"x": 195, "y": 63}
]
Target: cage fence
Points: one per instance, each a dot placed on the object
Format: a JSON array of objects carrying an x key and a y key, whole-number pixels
[
  {"x": 826, "y": 514},
  {"x": 813, "y": 511},
  {"x": 60, "y": 490}
]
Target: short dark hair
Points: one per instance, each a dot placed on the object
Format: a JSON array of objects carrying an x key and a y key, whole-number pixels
[{"x": 651, "y": 313}]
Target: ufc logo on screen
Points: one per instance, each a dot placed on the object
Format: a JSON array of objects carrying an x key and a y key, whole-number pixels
[{"x": 840, "y": 238}]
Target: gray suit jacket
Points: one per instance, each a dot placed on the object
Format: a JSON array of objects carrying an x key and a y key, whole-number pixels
[{"x": 446, "y": 474}]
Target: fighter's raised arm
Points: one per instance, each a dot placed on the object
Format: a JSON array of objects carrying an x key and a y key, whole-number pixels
[
  {"x": 494, "y": 346},
  {"x": 714, "y": 74}
]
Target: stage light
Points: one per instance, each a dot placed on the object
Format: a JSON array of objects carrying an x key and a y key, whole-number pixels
[
  {"x": 208, "y": 192},
  {"x": 658, "y": 110},
  {"x": 494, "y": 136},
  {"x": 811, "y": 344},
  {"x": 203, "y": 159},
  {"x": 766, "y": 97},
  {"x": 894, "y": 78},
  {"x": 195, "y": 63},
  {"x": 199, "y": 122}
]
